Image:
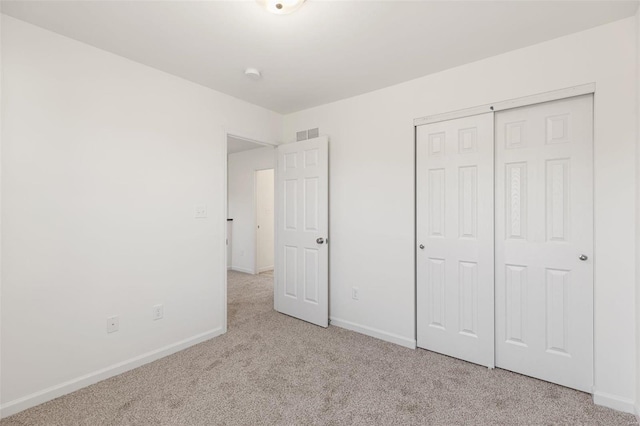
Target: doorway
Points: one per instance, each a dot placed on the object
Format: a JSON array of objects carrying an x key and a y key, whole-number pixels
[
  {"x": 249, "y": 208},
  {"x": 250, "y": 201},
  {"x": 278, "y": 219},
  {"x": 504, "y": 244}
]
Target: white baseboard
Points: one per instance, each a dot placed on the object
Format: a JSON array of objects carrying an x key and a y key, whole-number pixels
[
  {"x": 265, "y": 269},
  {"x": 614, "y": 401},
  {"x": 37, "y": 398},
  {"x": 373, "y": 332},
  {"x": 637, "y": 413},
  {"x": 228, "y": 268},
  {"x": 239, "y": 269}
]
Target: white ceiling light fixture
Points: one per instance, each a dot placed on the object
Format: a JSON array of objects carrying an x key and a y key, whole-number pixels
[
  {"x": 253, "y": 73},
  {"x": 281, "y": 7}
]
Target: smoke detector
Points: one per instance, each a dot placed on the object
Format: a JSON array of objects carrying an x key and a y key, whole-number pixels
[
  {"x": 252, "y": 73},
  {"x": 281, "y": 7}
]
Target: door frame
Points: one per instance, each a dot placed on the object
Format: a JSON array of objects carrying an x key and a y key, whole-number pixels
[
  {"x": 224, "y": 135},
  {"x": 570, "y": 92},
  {"x": 256, "y": 269}
]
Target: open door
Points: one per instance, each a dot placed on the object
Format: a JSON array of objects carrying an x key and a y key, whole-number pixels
[{"x": 302, "y": 229}]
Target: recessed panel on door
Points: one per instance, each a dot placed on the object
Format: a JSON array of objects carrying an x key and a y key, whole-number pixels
[
  {"x": 544, "y": 241},
  {"x": 455, "y": 238}
]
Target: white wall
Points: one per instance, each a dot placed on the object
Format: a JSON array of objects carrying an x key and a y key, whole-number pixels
[
  {"x": 372, "y": 185},
  {"x": 265, "y": 219},
  {"x": 241, "y": 190},
  {"x": 103, "y": 160}
]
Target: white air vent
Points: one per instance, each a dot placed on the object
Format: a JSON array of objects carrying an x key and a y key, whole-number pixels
[
  {"x": 301, "y": 136},
  {"x": 313, "y": 133}
]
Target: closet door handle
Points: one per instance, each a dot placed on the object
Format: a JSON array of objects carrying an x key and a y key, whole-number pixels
[
  {"x": 421, "y": 246},
  {"x": 583, "y": 257}
]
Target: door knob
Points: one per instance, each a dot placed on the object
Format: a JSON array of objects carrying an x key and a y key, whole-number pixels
[
  {"x": 421, "y": 246},
  {"x": 583, "y": 257},
  {"x": 320, "y": 240}
]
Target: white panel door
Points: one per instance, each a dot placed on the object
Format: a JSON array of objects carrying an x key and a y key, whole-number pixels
[
  {"x": 544, "y": 241},
  {"x": 455, "y": 312},
  {"x": 302, "y": 225}
]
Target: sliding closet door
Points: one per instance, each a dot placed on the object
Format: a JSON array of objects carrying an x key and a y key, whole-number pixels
[
  {"x": 455, "y": 290},
  {"x": 544, "y": 241}
]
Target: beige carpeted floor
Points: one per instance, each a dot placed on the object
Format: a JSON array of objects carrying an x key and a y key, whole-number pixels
[{"x": 273, "y": 369}]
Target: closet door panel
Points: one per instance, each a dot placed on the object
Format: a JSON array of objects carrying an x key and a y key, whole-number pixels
[
  {"x": 544, "y": 241},
  {"x": 455, "y": 299}
]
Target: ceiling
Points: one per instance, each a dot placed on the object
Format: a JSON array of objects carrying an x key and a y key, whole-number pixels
[
  {"x": 235, "y": 144},
  {"x": 326, "y": 51}
]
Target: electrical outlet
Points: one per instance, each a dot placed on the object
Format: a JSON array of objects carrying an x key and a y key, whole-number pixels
[
  {"x": 355, "y": 293},
  {"x": 158, "y": 312},
  {"x": 113, "y": 323},
  {"x": 200, "y": 211}
]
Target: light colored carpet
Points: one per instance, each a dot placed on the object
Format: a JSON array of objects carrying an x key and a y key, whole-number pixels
[{"x": 273, "y": 369}]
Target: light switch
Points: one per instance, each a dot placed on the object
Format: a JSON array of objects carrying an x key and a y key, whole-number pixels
[{"x": 200, "y": 211}]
